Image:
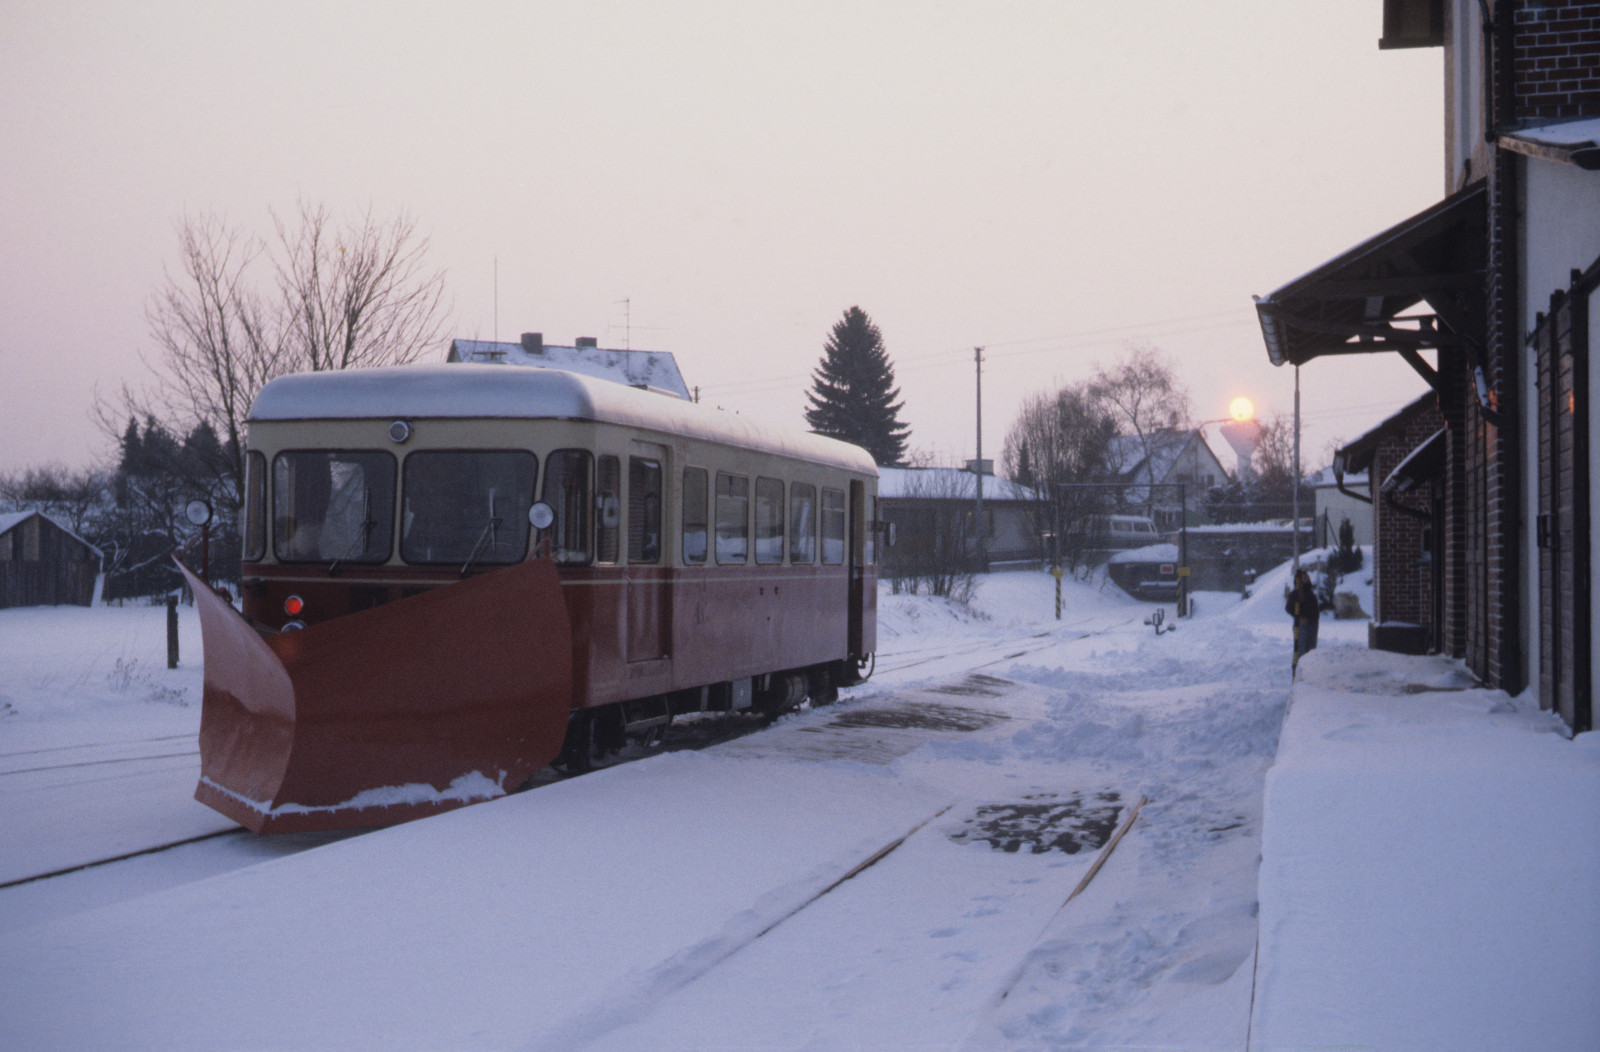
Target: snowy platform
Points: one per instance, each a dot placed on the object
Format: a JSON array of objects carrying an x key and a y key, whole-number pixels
[{"x": 1430, "y": 873}]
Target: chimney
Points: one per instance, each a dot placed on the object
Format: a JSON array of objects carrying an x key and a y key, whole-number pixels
[
  {"x": 587, "y": 341},
  {"x": 533, "y": 342}
]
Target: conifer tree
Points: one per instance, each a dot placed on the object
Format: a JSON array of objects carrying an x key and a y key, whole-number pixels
[{"x": 853, "y": 393}]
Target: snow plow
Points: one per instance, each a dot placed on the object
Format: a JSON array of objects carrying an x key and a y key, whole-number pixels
[{"x": 434, "y": 701}]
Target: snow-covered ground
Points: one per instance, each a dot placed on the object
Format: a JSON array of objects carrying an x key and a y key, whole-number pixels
[{"x": 1425, "y": 858}]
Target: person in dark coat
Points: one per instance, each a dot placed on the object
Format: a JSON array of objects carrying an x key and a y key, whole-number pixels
[{"x": 1302, "y": 606}]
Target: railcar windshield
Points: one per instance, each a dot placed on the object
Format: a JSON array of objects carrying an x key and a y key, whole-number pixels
[
  {"x": 467, "y": 507},
  {"x": 333, "y": 506}
]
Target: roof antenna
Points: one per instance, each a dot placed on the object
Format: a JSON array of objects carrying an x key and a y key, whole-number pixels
[{"x": 496, "y": 299}]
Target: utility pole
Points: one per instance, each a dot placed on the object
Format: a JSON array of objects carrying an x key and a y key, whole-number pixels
[
  {"x": 983, "y": 535},
  {"x": 1295, "y": 499}
]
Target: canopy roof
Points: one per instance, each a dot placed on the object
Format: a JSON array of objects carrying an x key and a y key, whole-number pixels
[
  {"x": 1564, "y": 142},
  {"x": 1355, "y": 457},
  {"x": 1420, "y": 467},
  {"x": 1364, "y": 300}
]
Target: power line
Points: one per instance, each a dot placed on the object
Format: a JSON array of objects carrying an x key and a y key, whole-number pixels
[{"x": 946, "y": 359}]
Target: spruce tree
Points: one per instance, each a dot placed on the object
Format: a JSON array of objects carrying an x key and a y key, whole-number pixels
[{"x": 853, "y": 394}]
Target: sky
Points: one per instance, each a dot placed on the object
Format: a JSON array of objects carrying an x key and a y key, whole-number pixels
[{"x": 1055, "y": 182}]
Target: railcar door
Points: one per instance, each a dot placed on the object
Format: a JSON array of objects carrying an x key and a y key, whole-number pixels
[
  {"x": 858, "y": 566},
  {"x": 649, "y": 578}
]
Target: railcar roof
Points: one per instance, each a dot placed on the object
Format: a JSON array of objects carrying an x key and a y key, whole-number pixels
[{"x": 501, "y": 392}]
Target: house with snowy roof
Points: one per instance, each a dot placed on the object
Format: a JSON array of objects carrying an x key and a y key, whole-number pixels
[
  {"x": 44, "y": 563},
  {"x": 1155, "y": 464},
  {"x": 656, "y": 370},
  {"x": 1498, "y": 283},
  {"x": 1338, "y": 500},
  {"x": 934, "y": 512}
]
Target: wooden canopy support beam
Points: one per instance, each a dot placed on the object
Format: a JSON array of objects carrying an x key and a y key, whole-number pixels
[{"x": 1424, "y": 370}]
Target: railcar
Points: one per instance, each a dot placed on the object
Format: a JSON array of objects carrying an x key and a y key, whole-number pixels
[{"x": 455, "y": 575}]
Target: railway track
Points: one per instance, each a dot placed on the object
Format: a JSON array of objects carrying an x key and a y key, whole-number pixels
[
  {"x": 157, "y": 849},
  {"x": 898, "y": 661},
  {"x": 40, "y": 769}
]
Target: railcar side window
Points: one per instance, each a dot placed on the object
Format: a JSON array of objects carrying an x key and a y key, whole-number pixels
[
  {"x": 467, "y": 507},
  {"x": 769, "y": 521},
  {"x": 733, "y": 518},
  {"x": 255, "y": 506},
  {"x": 870, "y": 534},
  {"x": 608, "y": 497},
  {"x": 332, "y": 506},
  {"x": 566, "y": 490},
  {"x": 832, "y": 526},
  {"x": 644, "y": 510},
  {"x": 694, "y": 515},
  {"x": 802, "y": 523}
]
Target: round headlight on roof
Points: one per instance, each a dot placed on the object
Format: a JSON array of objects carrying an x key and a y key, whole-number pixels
[{"x": 399, "y": 431}]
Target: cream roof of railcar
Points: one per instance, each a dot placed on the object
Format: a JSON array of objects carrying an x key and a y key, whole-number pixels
[{"x": 495, "y": 392}]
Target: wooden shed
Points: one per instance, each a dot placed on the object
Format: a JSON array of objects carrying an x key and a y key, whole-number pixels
[{"x": 43, "y": 563}]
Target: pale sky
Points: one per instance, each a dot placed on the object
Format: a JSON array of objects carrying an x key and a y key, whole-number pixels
[{"x": 1049, "y": 180}]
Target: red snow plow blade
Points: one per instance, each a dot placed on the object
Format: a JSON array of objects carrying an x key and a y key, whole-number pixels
[{"x": 436, "y": 701}]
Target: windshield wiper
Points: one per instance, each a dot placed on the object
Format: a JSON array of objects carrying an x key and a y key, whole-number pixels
[
  {"x": 364, "y": 532},
  {"x": 489, "y": 533}
]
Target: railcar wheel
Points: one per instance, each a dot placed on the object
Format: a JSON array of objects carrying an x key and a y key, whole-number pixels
[
  {"x": 855, "y": 671},
  {"x": 821, "y": 687},
  {"x": 581, "y": 751}
]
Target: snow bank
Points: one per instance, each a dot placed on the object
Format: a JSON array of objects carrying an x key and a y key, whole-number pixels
[{"x": 442, "y": 933}]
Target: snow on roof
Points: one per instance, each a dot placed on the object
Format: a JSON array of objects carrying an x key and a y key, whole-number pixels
[
  {"x": 657, "y": 369},
  {"x": 11, "y": 519},
  {"x": 1325, "y": 479},
  {"x": 1278, "y": 526},
  {"x": 1150, "y": 553},
  {"x": 445, "y": 390},
  {"x": 946, "y": 484},
  {"x": 1127, "y": 454},
  {"x": 1581, "y": 132}
]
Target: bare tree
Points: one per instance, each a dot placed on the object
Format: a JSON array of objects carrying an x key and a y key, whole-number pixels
[
  {"x": 1066, "y": 437},
  {"x": 1144, "y": 396},
  {"x": 936, "y": 542},
  {"x": 216, "y": 341},
  {"x": 1276, "y": 480},
  {"x": 356, "y": 296},
  {"x": 71, "y": 496},
  {"x": 343, "y": 297}
]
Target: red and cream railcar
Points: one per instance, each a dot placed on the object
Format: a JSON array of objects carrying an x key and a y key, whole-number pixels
[{"x": 454, "y": 575}]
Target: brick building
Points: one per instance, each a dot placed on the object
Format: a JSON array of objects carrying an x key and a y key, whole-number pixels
[
  {"x": 1496, "y": 281},
  {"x": 1403, "y": 460}
]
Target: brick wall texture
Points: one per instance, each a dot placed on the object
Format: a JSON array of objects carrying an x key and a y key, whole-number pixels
[
  {"x": 1403, "y": 587},
  {"x": 1557, "y": 58}
]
